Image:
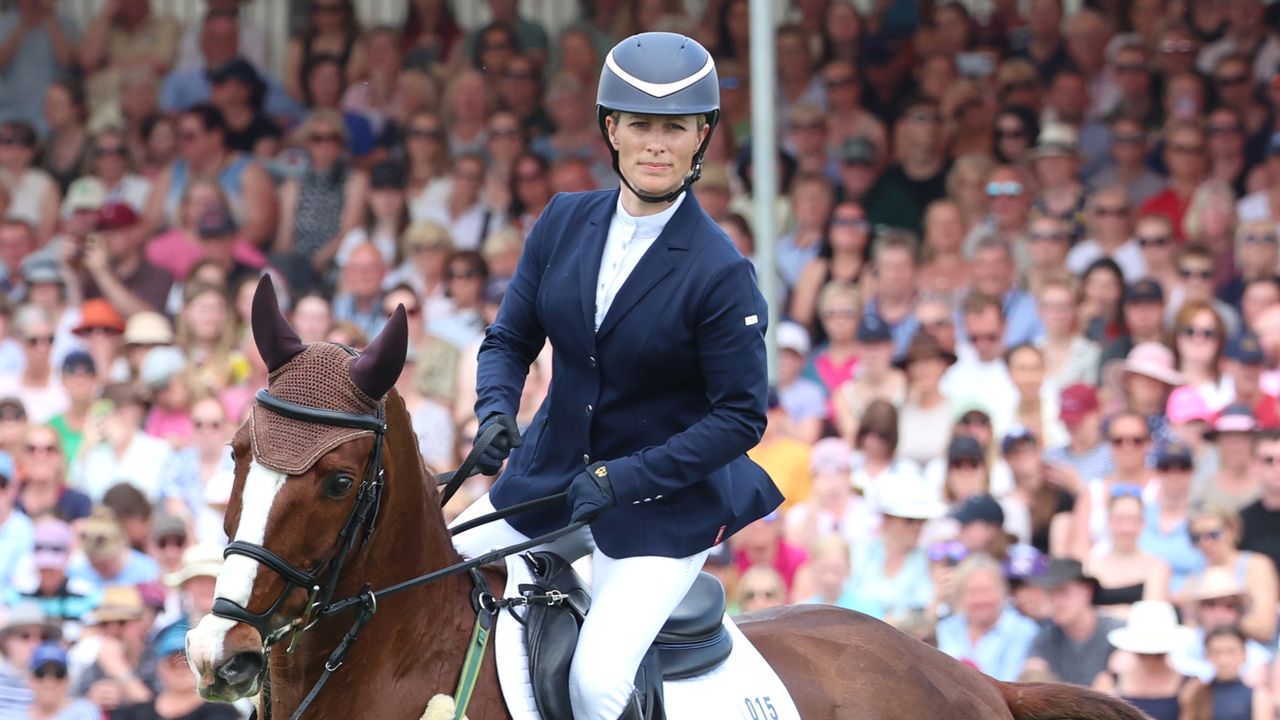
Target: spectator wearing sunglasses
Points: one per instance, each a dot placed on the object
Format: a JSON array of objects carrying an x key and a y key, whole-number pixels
[
  {"x": 1109, "y": 222},
  {"x": 1199, "y": 337},
  {"x": 36, "y": 385},
  {"x": 1257, "y": 251},
  {"x": 64, "y": 601},
  {"x": 1129, "y": 441},
  {"x": 1126, "y": 164},
  {"x": 986, "y": 631},
  {"x": 981, "y": 362},
  {"x": 24, "y": 629},
  {"x": 51, "y": 688},
  {"x": 1166, "y": 519},
  {"x": 1185, "y": 156},
  {"x": 1214, "y": 532},
  {"x": 1219, "y": 599},
  {"x": 1009, "y": 204},
  {"x": 1233, "y": 485},
  {"x": 44, "y": 490}
]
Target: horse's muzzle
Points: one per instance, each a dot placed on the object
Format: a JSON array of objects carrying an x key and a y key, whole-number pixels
[{"x": 226, "y": 659}]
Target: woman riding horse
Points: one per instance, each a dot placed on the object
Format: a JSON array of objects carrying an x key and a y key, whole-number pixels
[{"x": 659, "y": 381}]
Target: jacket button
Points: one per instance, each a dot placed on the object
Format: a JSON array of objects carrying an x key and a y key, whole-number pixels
[
  {"x": 586, "y": 459},
  {"x": 589, "y": 408},
  {"x": 592, "y": 360}
]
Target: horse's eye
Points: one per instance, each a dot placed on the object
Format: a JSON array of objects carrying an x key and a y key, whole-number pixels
[{"x": 337, "y": 486}]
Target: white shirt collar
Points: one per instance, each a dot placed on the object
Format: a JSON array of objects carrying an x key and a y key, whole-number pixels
[{"x": 648, "y": 226}]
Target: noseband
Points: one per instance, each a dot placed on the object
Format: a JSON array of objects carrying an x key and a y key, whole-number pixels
[{"x": 321, "y": 580}]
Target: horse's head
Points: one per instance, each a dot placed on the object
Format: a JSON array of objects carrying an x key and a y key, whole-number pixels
[{"x": 308, "y": 485}]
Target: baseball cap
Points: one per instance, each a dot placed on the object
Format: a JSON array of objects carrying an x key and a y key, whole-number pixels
[
  {"x": 1015, "y": 438},
  {"x": 1186, "y": 404},
  {"x": 86, "y": 193},
  {"x": 116, "y": 216},
  {"x": 1245, "y": 349},
  {"x": 1077, "y": 401},
  {"x": 172, "y": 639},
  {"x": 52, "y": 544},
  {"x": 792, "y": 336},
  {"x": 40, "y": 268},
  {"x": 78, "y": 361},
  {"x": 980, "y": 508},
  {"x": 964, "y": 447},
  {"x": 1174, "y": 453},
  {"x": 216, "y": 222},
  {"x": 1235, "y": 418},
  {"x": 1145, "y": 290},
  {"x": 234, "y": 69},
  {"x": 873, "y": 330},
  {"x": 165, "y": 525},
  {"x": 859, "y": 150},
  {"x": 50, "y": 653},
  {"x": 98, "y": 313}
]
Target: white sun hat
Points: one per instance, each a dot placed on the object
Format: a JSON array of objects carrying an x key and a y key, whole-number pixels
[{"x": 1152, "y": 629}]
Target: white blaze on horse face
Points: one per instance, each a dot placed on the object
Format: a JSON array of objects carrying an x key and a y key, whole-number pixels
[{"x": 238, "y": 574}]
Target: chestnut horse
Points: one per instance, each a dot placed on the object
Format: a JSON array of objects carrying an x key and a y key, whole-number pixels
[{"x": 836, "y": 663}]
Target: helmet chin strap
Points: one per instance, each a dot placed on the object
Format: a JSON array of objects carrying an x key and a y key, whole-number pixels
[{"x": 689, "y": 179}]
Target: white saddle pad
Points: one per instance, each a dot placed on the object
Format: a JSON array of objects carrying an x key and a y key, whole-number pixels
[{"x": 743, "y": 687}]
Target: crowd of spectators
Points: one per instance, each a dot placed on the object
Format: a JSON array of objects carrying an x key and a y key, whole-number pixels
[{"x": 1028, "y": 363}]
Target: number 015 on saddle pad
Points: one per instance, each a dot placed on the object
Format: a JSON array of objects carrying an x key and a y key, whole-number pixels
[{"x": 742, "y": 686}]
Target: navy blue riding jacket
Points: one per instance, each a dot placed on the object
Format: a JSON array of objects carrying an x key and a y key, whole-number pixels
[{"x": 670, "y": 392}]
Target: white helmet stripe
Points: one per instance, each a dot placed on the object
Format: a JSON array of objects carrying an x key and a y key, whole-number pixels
[{"x": 659, "y": 89}]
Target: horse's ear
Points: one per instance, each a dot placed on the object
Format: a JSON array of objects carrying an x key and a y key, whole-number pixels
[
  {"x": 277, "y": 341},
  {"x": 379, "y": 366}
]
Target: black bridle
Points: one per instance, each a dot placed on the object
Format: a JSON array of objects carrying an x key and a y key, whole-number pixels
[{"x": 321, "y": 580}]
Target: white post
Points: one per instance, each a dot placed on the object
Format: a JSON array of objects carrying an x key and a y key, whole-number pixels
[{"x": 764, "y": 154}]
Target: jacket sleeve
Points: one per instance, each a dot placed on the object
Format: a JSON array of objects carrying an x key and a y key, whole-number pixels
[
  {"x": 731, "y": 353},
  {"x": 516, "y": 337}
]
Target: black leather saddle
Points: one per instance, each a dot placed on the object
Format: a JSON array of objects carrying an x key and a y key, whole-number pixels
[{"x": 693, "y": 640}]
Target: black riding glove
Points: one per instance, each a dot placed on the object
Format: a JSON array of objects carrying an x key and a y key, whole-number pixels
[
  {"x": 493, "y": 456},
  {"x": 591, "y": 493}
]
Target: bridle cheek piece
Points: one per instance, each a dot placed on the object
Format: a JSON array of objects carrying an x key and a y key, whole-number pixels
[{"x": 321, "y": 581}]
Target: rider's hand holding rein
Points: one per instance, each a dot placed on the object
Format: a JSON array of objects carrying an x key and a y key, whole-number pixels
[{"x": 500, "y": 448}]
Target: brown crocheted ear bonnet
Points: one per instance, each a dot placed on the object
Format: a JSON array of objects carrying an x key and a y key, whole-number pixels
[{"x": 321, "y": 375}]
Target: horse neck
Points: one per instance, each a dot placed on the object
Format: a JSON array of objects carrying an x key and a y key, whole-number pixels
[{"x": 420, "y": 633}]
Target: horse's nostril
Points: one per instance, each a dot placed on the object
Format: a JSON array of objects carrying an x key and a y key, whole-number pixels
[{"x": 241, "y": 669}]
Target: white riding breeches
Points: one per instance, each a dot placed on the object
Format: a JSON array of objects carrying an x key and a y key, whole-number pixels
[{"x": 631, "y": 598}]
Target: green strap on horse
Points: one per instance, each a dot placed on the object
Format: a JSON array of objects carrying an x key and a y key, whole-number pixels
[{"x": 472, "y": 662}]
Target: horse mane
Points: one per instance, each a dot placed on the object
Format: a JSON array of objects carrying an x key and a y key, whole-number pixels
[
  {"x": 404, "y": 463},
  {"x": 1055, "y": 701}
]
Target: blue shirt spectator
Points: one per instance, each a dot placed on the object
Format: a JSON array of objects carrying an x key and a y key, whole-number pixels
[
  {"x": 136, "y": 568},
  {"x": 43, "y": 55},
  {"x": 184, "y": 88},
  {"x": 1000, "y": 652}
]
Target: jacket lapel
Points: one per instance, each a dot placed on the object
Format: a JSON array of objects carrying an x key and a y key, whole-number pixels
[
  {"x": 656, "y": 263},
  {"x": 596, "y": 233}
]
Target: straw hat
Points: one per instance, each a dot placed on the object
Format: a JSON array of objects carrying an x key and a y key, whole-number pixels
[
  {"x": 1152, "y": 629},
  {"x": 203, "y": 560},
  {"x": 119, "y": 602},
  {"x": 1216, "y": 582},
  {"x": 910, "y": 500}
]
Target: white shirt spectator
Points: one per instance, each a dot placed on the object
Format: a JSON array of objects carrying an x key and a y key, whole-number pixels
[
  {"x": 41, "y": 403},
  {"x": 971, "y": 377},
  {"x": 99, "y": 469}
]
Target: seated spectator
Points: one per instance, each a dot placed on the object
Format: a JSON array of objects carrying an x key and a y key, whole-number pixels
[
  {"x": 114, "y": 266},
  {"x": 65, "y": 141},
  {"x": 204, "y": 153},
  {"x": 876, "y": 463},
  {"x": 318, "y": 209},
  {"x": 1110, "y": 235},
  {"x": 1055, "y": 160},
  {"x": 205, "y": 332},
  {"x": 1024, "y": 563},
  {"x": 1217, "y": 599},
  {"x": 24, "y": 629},
  {"x": 760, "y": 588},
  {"x": 107, "y": 660},
  {"x": 1048, "y": 240},
  {"x": 1148, "y": 378},
  {"x": 168, "y": 384},
  {"x": 1196, "y": 275},
  {"x": 1143, "y": 674},
  {"x": 325, "y": 85},
  {"x": 1037, "y": 409},
  {"x": 43, "y": 490},
  {"x": 50, "y": 687},
  {"x": 784, "y": 456},
  {"x": 1085, "y": 451},
  {"x": 237, "y": 89},
  {"x": 1130, "y": 441},
  {"x": 812, "y": 200},
  {"x": 106, "y": 557},
  {"x": 841, "y": 258},
  {"x": 891, "y": 569},
  {"x": 828, "y": 576},
  {"x": 1142, "y": 312},
  {"x": 1233, "y": 486},
  {"x": 1126, "y": 572},
  {"x": 177, "y": 685},
  {"x": 63, "y": 601},
  {"x": 893, "y": 257},
  {"x": 43, "y": 42},
  {"x": 34, "y": 196},
  {"x": 1069, "y": 357},
  {"x": 986, "y": 631},
  {"x": 944, "y": 267},
  {"x": 133, "y": 511},
  {"x": 971, "y": 419},
  {"x": 1261, "y": 519},
  {"x": 13, "y": 425},
  {"x": 385, "y": 217},
  {"x": 1073, "y": 645},
  {"x": 1257, "y": 249},
  {"x": 252, "y": 43},
  {"x": 1035, "y": 489},
  {"x": 875, "y": 376},
  {"x": 333, "y": 29},
  {"x": 1214, "y": 531},
  {"x": 1154, "y": 235},
  {"x": 36, "y": 386},
  {"x": 841, "y": 317},
  {"x": 568, "y": 103},
  {"x": 761, "y": 544},
  {"x": 981, "y": 521},
  {"x": 1243, "y": 363},
  {"x": 425, "y": 248},
  {"x": 1224, "y": 694},
  {"x": 980, "y": 362},
  {"x": 832, "y": 507},
  {"x": 1101, "y": 290},
  {"x": 464, "y": 323},
  {"x": 123, "y": 452},
  {"x": 1126, "y": 165},
  {"x": 1165, "y": 531},
  {"x": 925, "y": 416}
]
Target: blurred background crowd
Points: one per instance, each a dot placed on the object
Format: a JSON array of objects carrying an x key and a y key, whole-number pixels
[{"x": 1027, "y": 374}]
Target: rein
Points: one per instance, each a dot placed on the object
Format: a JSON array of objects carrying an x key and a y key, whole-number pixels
[{"x": 321, "y": 581}]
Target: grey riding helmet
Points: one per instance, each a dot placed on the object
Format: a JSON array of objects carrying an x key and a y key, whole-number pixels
[{"x": 659, "y": 73}]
